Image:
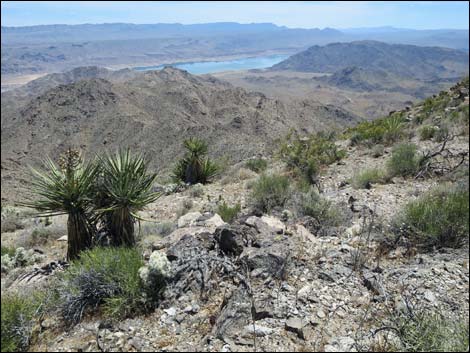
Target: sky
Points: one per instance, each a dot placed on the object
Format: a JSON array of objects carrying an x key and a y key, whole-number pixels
[{"x": 294, "y": 14}]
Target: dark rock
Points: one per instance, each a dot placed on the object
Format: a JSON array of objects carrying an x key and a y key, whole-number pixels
[{"x": 271, "y": 259}]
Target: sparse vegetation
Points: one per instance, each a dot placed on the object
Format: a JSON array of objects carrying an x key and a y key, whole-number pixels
[
  {"x": 365, "y": 179},
  {"x": 305, "y": 156},
  {"x": 270, "y": 191},
  {"x": 377, "y": 151},
  {"x": 227, "y": 213},
  {"x": 18, "y": 317},
  {"x": 384, "y": 131},
  {"x": 257, "y": 165},
  {"x": 404, "y": 160},
  {"x": 432, "y": 332},
  {"x": 438, "y": 218},
  {"x": 106, "y": 278},
  {"x": 197, "y": 191},
  {"x": 312, "y": 204},
  {"x": 195, "y": 167},
  {"x": 427, "y": 132}
]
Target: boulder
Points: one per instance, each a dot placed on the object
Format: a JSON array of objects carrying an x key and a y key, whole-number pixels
[{"x": 188, "y": 219}]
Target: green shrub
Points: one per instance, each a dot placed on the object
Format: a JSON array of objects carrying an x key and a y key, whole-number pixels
[
  {"x": 227, "y": 213},
  {"x": 305, "y": 156},
  {"x": 430, "y": 331},
  {"x": 427, "y": 132},
  {"x": 386, "y": 130},
  {"x": 311, "y": 204},
  {"x": 11, "y": 224},
  {"x": 194, "y": 167},
  {"x": 364, "y": 179},
  {"x": 196, "y": 190},
  {"x": 6, "y": 250},
  {"x": 438, "y": 218},
  {"x": 257, "y": 165},
  {"x": 40, "y": 236},
  {"x": 270, "y": 191},
  {"x": 441, "y": 134},
  {"x": 404, "y": 161},
  {"x": 377, "y": 151},
  {"x": 107, "y": 278},
  {"x": 18, "y": 317}
]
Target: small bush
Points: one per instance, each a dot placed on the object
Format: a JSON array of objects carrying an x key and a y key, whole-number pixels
[
  {"x": 18, "y": 315},
  {"x": 107, "y": 278},
  {"x": 20, "y": 258},
  {"x": 430, "y": 331},
  {"x": 186, "y": 205},
  {"x": 257, "y": 165},
  {"x": 427, "y": 132},
  {"x": 404, "y": 161},
  {"x": 270, "y": 191},
  {"x": 311, "y": 204},
  {"x": 441, "y": 134},
  {"x": 40, "y": 236},
  {"x": 439, "y": 218},
  {"x": 11, "y": 224},
  {"x": 227, "y": 213},
  {"x": 305, "y": 156},
  {"x": 366, "y": 178},
  {"x": 377, "y": 151},
  {"x": 8, "y": 251},
  {"x": 386, "y": 130},
  {"x": 196, "y": 191}
]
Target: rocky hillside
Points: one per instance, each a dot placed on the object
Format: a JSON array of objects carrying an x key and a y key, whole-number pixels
[
  {"x": 424, "y": 63},
  {"x": 340, "y": 267},
  {"x": 153, "y": 111}
]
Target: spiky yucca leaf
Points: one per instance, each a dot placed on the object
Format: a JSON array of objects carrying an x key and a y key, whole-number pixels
[
  {"x": 125, "y": 189},
  {"x": 193, "y": 168},
  {"x": 66, "y": 191}
]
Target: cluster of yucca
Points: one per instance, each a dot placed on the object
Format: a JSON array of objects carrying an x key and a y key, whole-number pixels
[
  {"x": 107, "y": 191},
  {"x": 195, "y": 167}
]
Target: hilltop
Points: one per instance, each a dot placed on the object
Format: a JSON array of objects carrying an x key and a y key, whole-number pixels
[
  {"x": 153, "y": 111},
  {"x": 423, "y": 63}
]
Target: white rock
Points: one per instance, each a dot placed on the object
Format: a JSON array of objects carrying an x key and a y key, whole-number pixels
[
  {"x": 63, "y": 238},
  {"x": 274, "y": 223},
  {"x": 170, "y": 311},
  {"x": 188, "y": 219},
  {"x": 260, "y": 331},
  {"x": 215, "y": 221}
]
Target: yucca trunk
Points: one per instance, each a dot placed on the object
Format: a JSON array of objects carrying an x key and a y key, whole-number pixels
[
  {"x": 79, "y": 235},
  {"x": 121, "y": 224}
]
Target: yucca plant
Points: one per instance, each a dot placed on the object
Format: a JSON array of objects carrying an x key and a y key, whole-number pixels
[
  {"x": 66, "y": 189},
  {"x": 194, "y": 167},
  {"x": 123, "y": 189}
]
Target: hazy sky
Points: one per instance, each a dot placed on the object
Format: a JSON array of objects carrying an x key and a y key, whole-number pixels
[{"x": 305, "y": 14}]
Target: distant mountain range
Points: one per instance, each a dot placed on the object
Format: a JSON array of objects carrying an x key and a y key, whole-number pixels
[
  {"x": 407, "y": 61},
  {"x": 54, "y": 48}
]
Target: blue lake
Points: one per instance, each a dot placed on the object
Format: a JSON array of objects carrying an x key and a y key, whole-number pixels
[{"x": 206, "y": 67}]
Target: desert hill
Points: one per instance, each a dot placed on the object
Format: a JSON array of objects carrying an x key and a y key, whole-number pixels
[
  {"x": 153, "y": 111},
  {"x": 409, "y": 61}
]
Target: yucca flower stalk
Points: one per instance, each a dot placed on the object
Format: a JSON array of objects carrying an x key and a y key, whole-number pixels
[
  {"x": 66, "y": 189},
  {"x": 125, "y": 187},
  {"x": 194, "y": 167}
]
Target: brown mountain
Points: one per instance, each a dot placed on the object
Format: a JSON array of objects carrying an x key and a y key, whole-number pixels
[
  {"x": 410, "y": 61},
  {"x": 152, "y": 112}
]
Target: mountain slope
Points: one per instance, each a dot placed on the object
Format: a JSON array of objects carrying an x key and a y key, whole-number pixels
[
  {"x": 152, "y": 112},
  {"x": 402, "y": 60}
]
